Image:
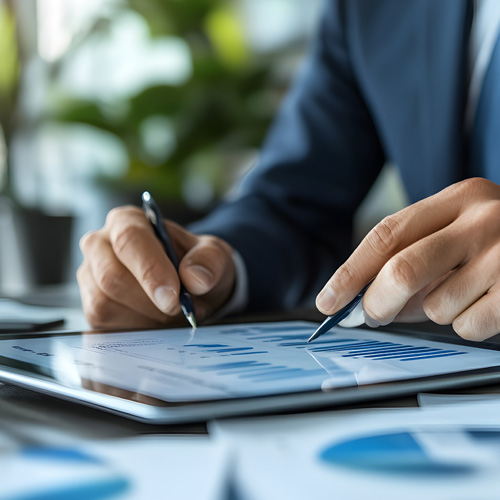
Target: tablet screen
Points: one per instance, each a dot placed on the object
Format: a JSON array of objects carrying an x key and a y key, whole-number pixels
[{"x": 234, "y": 361}]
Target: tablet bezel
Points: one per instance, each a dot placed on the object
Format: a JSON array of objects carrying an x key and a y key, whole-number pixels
[{"x": 203, "y": 410}]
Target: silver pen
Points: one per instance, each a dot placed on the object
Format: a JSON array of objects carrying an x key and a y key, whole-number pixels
[{"x": 154, "y": 216}]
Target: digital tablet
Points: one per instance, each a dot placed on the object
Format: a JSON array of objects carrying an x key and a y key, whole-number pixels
[{"x": 182, "y": 375}]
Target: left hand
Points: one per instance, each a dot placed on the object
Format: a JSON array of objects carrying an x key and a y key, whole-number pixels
[{"x": 437, "y": 259}]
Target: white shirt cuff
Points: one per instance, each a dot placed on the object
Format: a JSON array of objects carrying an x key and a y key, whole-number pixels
[{"x": 239, "y": 299}]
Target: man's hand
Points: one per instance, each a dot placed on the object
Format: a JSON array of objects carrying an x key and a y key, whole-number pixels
[
  {"x": 437, "y": 259},
  {"x": 127, "y": 281}
]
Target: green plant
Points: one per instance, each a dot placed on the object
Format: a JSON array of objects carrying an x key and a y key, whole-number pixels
[
  {"x": 9, "y": 86},
  {"x": 223, "y": 108}
]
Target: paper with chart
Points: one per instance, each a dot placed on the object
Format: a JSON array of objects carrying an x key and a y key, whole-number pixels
[
  {"x": 445, "y": 453},
  {"x": 218, "y": 362}
]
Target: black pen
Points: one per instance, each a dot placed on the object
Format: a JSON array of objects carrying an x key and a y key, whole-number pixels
[
  {"x": 154, "y": 216},
  {"x": 336, "y": 318}
]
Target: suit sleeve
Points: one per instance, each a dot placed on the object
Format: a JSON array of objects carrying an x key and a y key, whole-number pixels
[{"x": 292, "y": 218}]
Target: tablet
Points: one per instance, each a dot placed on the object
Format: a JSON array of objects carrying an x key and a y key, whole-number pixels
[{"x": 182, "y": 375}]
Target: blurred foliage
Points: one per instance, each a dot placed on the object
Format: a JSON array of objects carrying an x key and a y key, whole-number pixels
[
  {"x": 9, "y": 77},
  {"x": 224, "y": 107}
]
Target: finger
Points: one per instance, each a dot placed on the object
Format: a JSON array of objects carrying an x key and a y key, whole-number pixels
[
  {"x": 413, "y": 311},
  {"x": 410, "y": 271},
  {"x": 207, "y": 265},
  {"x": 462, "y": 288},
  {"x": 115, "y": 280},
  {"x": 104, "y": 314},
  {"x": 481, "y": 320},
  {"x": 206, "y": 269},
  {"x": 139, "y": 250},
  {"x": 385, "y": 240}
]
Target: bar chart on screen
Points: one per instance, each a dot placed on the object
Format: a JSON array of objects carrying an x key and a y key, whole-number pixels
[{"x": 247, "y": 360}]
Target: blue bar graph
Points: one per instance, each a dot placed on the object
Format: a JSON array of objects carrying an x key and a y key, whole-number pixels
[
  {"x": 282, "y": 357},
  {"x": 262, "y": 371}
]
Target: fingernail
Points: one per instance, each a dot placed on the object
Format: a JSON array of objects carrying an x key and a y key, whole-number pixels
[
  {"x": 166, "y": 299},
  {"x": 369, "y": 321},
  {"x": 326, "y": 299},
  {"x": 373, "y": 323},
  {"x": 355, "y": 318},
  {"x": 202, "y": 275}
]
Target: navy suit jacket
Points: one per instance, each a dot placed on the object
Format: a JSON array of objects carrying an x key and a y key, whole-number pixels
[{"x": 384, "y": 81}]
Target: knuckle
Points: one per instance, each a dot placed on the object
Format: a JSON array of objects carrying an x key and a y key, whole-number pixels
[
  {"x": 97, "y": 310},
  {"x": 345, "y": 277},
  {"x": 124, "y": 238},
  {"x": 400, "y": 274},
  {"x": 476, "y": 184},
  {"x": 80, "y": 273},
  {"x": 384, "y": 237},
  {"x": 473, "y": 188},
  {"x": 109, "y": 279},
  {"x": 149, "y": 274},
  {"x": 118, "y": 213},
  {"x": 88, "y": 240},
  {"x": 485, "y": 221},
  {"x": 216, "y": 244}
]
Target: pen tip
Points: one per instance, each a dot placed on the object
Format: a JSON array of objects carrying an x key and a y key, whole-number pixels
[{"x": 192, "y": 320}]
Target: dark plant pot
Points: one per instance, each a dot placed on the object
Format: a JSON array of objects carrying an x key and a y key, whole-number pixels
[{"x": 47, "y": 245}]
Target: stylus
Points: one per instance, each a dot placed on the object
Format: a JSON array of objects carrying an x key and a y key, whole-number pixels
[
  {"x": 336, "y": 318},
  {"x": 154, "y": 216}
]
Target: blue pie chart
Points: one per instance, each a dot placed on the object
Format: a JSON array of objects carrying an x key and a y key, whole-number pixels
[
  {"x": 398, "y": 453},
  {"x": 77, "y": 476}
]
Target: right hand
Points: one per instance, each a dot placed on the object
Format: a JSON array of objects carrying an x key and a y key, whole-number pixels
[{"x": 127, "y": 281}]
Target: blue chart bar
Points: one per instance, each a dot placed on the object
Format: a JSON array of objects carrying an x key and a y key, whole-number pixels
[
  {"x": 316, "y": 343},
  {"x": 234, "y": 331},
  {"x": 201, "y": 346},
  {"x": 353, "y": 346},
  {"x": 230, "y": 366},
  {"x": 375, "y": 350},
  {"x": 402, "y": 353},
  {"x": 375, "y": 353},
  {"x": 246, "y": 353},
  {"x": 442, "y": 355},
  {"x": 230, "y": 349},
  {"x": 266, "y": 369}
]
